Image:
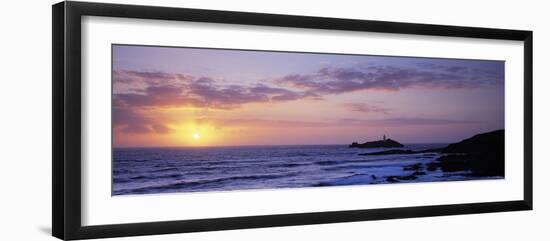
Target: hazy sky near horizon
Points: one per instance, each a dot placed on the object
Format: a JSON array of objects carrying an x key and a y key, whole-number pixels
[{"x": 167, "y": 96}]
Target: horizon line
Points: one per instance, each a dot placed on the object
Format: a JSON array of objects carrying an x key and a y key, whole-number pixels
[{"x": 281, "y": 145}]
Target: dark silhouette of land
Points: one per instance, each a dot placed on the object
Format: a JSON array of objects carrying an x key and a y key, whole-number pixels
[
  {"x": 481, "y": 154},
  {"x": 380, "y": 143}
]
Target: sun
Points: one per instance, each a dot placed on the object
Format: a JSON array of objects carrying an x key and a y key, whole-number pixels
[{"x": 196, "y": 136}]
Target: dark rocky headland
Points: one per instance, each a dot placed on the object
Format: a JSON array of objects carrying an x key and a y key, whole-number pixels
[{"x": 481, "y": 155}]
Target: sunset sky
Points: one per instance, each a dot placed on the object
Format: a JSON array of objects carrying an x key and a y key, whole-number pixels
[{"x": 166, "y": 96}]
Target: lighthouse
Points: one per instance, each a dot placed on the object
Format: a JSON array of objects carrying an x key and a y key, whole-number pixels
[{"x": 384, "y": 138}]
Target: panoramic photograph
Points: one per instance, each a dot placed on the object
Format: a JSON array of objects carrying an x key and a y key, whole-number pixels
[{"x": 209, "y": 120}]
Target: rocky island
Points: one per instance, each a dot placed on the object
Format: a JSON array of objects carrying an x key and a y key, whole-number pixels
[{"x": 385, "y": 142}]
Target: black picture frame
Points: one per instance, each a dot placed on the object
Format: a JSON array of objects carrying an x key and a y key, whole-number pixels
[{"x": 66, "y": 158}]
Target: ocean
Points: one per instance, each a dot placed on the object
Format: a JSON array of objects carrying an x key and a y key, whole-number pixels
[{"x": 202, "y": 169}]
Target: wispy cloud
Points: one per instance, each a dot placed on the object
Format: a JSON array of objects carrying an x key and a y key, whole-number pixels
[
  {"x": 130, "y": 121},
  {"x": 405, "y": 121},
  {"x": 331, "y": 80},
  {"x": 345, "y": 122},
  {"x": 134, "y": 92},
  {"x": 147, "y": 89},
  {"x": 366, "y": 108}
]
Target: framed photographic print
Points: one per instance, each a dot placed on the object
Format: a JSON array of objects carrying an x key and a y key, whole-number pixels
[{"x": 169, "y": 120}]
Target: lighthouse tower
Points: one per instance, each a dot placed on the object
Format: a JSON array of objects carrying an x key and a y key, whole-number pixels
[{"x": 384, "y": 138}]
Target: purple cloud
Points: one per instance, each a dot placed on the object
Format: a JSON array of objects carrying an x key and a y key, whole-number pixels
[
  {"x": 405, "y": 121},
  {"x": 130, "y": 121},
  {"x": 136, "y": 91},
  {"x": 366, "y": 108},
  {"x": 153, "y": 78},
  {"x": 391, "y": 78},
  {"x": 149, "y": 89}
]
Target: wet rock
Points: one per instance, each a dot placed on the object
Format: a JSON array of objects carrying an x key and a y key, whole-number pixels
[
  {"x": 433, "y": 166},
  {"x": 418, "y": 173},
  {"x": 407, "y": 178},
  {"x": 414, "y": 167},
  {"x": 392, "y": 179}
]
